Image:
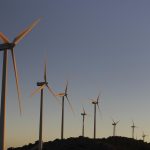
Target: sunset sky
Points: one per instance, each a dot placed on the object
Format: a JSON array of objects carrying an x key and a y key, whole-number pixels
[{"x": 98, "y": 46}]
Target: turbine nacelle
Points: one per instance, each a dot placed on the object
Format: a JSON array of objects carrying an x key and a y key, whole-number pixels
[
  {"x": 144, "y": 135},
  {"x": 94, "y": 102},
  {"x": 115, "y": 123},
  {"x": 42, "y": 83},
  {"x": 83, "y": 114},
  {"x": 64, "y": 94},
  {"x": 133, "y": 125},
  {"x": 6, "y": 46}
]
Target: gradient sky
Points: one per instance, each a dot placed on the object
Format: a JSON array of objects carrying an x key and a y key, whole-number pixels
[{"x": 98, "y": 46}]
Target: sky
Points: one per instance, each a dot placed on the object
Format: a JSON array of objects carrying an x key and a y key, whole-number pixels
[{"x": 98, "y": 46}]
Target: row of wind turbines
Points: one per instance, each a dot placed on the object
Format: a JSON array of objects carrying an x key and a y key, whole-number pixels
[
  {"x": 114, "y": 124},
  {"x": 41, "y": 86},
  {"x": 64, "y": 95}
]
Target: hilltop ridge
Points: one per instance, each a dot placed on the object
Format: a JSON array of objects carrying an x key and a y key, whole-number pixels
[{"x": 85, "y": 143}]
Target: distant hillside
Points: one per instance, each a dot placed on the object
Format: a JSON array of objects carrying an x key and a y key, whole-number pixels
[{"x": 111, "y": 143}]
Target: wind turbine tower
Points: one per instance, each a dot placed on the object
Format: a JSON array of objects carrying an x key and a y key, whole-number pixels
[
  {"x": 133, "y": 127},
  {"x": 143, "y": 136},
  {"x": 114, "y": 127},
  {"x": 64, "y": 95},
  {"x": 41, "y": 87},
  {"x": 95, "y": 103},
  {"x": 5, "y": 47},
  {"x": 83, "y": 114}
]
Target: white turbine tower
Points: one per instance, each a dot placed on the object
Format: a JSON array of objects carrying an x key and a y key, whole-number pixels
[
  {"x": 83, "y": 114},
  {"x": 114, "y": 127},
  {"x": 133, "y": 127},
  {"x": 5, "y": 47},
  {"x": 143, "y": 136},
  {"x": 95, "y": 103},
  {"x": 64, "y": 95},
  {"x": 41, "y": 87}
]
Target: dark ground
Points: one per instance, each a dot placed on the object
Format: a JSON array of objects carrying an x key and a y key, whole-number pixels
[{"x": 80, "y": 143}]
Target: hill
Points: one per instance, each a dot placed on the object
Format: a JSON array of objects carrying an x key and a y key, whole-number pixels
[{"x": 80, "y": 143}]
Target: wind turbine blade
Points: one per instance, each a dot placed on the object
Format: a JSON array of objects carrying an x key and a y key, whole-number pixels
[
  {"x": 52, "y": 92},
  {"x": 83, "y": 109},
  {"x": 70, "y": 104},
  {"x": 16, "y": 78},
  {"x": 98, "y": 108},
  {"x": 25, "y": 32},
  {"x": 97, "y": 99},
  {"x": 100, "y": 113},
  {"x": 112, "y": 120},
  {"x": 117, "y": 122},
  {"x": 66, "y": 89},
  {"x": 133, "y": 122},
  {"x": 45, "y": 73},
  {"x": 37, "y": 90},
  {"x": 3, "y": 38}
]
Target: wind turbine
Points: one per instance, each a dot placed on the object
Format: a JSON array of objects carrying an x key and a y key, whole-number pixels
[
  {"x": 41, "y": 87},
  {"x": 63, "y": 96},
  {"x": 114, "y": 127},
  {"x": 5, "y": 47},
  {"x": 143, "y": 136},
  {"x": 95, "y": 103},
  {"x": 133, "y": 127},
  {"x": 83, "y": 114}
]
